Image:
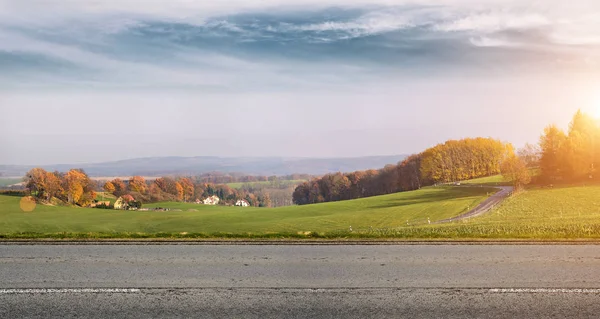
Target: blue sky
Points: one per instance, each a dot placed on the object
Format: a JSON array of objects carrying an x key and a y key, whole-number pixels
[{"x": 286, "y": 78}]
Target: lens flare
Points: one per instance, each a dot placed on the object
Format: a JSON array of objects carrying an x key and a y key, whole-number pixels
[{"x": 27, "y": 204}]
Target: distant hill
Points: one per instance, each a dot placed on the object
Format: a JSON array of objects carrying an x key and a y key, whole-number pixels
[{"x": 155, "y": 166}]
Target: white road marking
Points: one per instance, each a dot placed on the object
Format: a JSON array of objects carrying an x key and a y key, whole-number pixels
[
  {"x": 545, "y": 291},
  {"x": 68, "y": 291}
]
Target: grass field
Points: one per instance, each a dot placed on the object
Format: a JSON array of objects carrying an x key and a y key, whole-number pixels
[
  {"x": 566, "y": 212},
  {"x": 106, "y": 197},
  {"x": 496, "y": 180},
  {"x": 328, "y": 219},
  {"x": 263, "y": 183}
]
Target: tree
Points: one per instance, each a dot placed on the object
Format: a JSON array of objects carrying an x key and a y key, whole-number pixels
[
  {"x": 120, "y": 188},
  {"x": 580, "y": 146},
  {"x": 109, "y": 187},
  {"x": 188, "y": 188},
  {"x": 530, "y": 154},
  {"x": 35, "y": 182},
  {"x": 515, "y": 170},
  {"x": 167, "y": 185},
  {"x": 301, "y": 194},
  {"x": 74, "y": 185},
  {"x": 53, "y": 185},
  {"x": 552, "y": 145},
  {"x": 137, "y": 184},
  {"x": 179, "y": 190}
]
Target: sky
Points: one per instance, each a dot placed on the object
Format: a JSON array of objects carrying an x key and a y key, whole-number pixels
[{"x": 93, "y": 81}]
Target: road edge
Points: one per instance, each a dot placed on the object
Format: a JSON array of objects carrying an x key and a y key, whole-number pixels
[{"x": 303, "y": 242}]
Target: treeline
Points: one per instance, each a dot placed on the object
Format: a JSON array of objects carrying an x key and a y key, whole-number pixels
[
  {"x": 448, "y": 162},
  {"x": 573, "y": 155},
  {"x": 182, "y": 189},
  {"x": 73, "y": 187},
  {"x": 464, "y": 159},
  {"x": 76, "y": 188}
]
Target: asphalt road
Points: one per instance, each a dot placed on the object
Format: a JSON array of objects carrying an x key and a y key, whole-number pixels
[
  {"x": 485, "y": 206},
  {"x": 299, "y": 281}
]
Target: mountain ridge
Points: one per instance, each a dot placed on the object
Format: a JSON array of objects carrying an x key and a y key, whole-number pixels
[{"x": 179, "y": 165}]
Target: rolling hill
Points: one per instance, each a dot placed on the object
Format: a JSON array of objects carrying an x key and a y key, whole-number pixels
[
  {"x": 156, "y": 166},
  {"x": 387, "y": 211}
]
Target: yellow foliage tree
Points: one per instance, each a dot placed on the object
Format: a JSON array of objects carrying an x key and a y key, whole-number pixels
[
  {"x": 109, "y": 187},
  {"x": 138, "y": 184}
]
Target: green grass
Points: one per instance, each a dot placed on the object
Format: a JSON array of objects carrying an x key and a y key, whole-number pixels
[
  {"x": 569, "y": 212},
  {"x": 264, "y": 183},
  {"x": 324, "y": 220},
  {"x": 496, "y": 180},
  {"x": 106, "y": 197},
  {"x": 560, "y": 213}
]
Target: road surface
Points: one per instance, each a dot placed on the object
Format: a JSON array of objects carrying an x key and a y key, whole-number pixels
[
  {"x": 151, "y": 281},
  {"x": 485, "y": 206}
]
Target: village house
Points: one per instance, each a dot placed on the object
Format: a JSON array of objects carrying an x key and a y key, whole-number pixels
[
  {"x": 120, "y": 203},
  {"x": 123, "y": 202},
  {"x": 213, "y": 200},
  {"x": 242, "y": 203}
]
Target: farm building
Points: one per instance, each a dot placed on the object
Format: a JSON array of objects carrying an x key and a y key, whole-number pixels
[
  {"x": 242, "y": 202},
  {"x": 124, "y": 202},
  {"x": 213, "y": 200},
  {"x": 120, "y": 203}
]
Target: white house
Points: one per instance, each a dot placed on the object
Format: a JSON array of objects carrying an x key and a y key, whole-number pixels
[
  {"x": 242, "y": 202},
  {"x": 213, "y": 200}
]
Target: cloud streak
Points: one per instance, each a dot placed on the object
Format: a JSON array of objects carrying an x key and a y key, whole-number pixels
[{"x": 278, "y": 44}]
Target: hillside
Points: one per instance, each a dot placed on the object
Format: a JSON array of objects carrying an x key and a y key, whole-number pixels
[
  {"x": 156, "y": 166},
  {"x": 328, "y": 219}
]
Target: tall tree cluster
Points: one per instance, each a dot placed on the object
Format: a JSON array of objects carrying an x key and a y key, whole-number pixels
[
  {"x": 447, "y": 162},
  {"x": 573, "y": 155},
  {"x": 469, "y": 158},
  {"x": 73, "y": 187}
]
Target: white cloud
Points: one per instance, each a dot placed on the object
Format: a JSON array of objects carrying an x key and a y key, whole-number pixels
[
  {"x": 491, "y": 42},
  {"x": 372, "y": 23},
  {"x": 495, "y": 22}
]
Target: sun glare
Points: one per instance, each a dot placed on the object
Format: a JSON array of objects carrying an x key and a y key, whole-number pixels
[{"x": 595, "y": 108}]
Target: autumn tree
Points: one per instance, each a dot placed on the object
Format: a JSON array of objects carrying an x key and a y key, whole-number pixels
[
  {"x": 35, "y": 181},
  {"x": 53, "y": 185},
  {"x": 515, "y": 170},
  {"x": 79, "y": 188},
  {"x": 109, "y": 187},
  {"x": 43, "y": 184},
  {"x": 167, "y": 185},
  {"x": 179, "y": 190},
  {"x": 188, "y": 188},
  {"x": 138, "y": 184},
  {"x": 552, "y": 145},
  {"x": 120, "y": 187}
]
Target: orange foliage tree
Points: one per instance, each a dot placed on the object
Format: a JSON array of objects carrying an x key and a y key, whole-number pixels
[{"x": 138, "y": 184}]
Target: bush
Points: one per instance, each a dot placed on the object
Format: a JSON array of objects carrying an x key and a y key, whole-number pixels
[
  {"x": 104, "y": 206},
  {"x": 135, "y": 204},
  {"x": 14, "y": 193}
]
